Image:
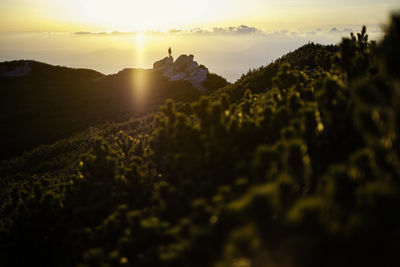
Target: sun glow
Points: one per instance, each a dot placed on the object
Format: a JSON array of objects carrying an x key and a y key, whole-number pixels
[
  {"x": 128, "y": 15},
  {"x": 140, "y": 40},
  {"x": 139, "y": 89},
  {"x": 139, "y": 79},
  {"x": 133, "y": 15}
]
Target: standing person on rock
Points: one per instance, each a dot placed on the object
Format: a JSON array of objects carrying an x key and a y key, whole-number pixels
[{"x": 169, "y": 52}]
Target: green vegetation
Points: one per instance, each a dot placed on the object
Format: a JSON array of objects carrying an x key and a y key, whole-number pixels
[
  {"x": 214, "y": 82},
  {"x": 296, "y": 164}
]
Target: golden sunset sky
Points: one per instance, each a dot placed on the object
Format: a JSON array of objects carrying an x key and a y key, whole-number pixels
[{"x": 129, "y": 15}]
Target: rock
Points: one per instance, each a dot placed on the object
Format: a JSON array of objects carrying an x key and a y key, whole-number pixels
[
  {"x": 184, "y": 68},
  {"x": 18, "y": 71},
  {"x": 164, "y": 63},
  {"x": 177, "y": 76},
  {"x": 182, "y": 63}
]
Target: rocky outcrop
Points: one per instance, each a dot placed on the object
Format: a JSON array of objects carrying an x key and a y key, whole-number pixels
[
  {"x": 17, "y": 71},
  {"x": 163, "y": 64},
  {"x": 184, "y": 68}
]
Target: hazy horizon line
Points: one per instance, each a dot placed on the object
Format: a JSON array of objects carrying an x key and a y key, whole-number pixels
[{"x": 242, "y": 29}]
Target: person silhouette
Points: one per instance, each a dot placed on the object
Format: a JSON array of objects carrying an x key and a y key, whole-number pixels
[{"x": 169, "y": 51}]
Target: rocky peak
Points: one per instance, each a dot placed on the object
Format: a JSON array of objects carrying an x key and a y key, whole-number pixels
[{"x": 184, "y": 68}]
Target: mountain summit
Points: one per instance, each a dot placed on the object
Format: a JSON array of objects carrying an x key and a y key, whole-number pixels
[{"x": 184, "y": 68}]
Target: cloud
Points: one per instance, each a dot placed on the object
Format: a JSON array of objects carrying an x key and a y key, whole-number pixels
[
  {"x": 334, "y": 29},
  {"x": 104, "y": 33},
  {"x": 242, "y": 30},
  {"x": 344, "y": 30},
  {"x": 355, "y": 29},
  {"x": 232, "y": 30},
  {"x": 175, "y": 31},
  {"x": 83, "y": 33}
]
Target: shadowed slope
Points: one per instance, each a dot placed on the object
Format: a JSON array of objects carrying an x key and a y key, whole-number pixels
[{"x": 52, "y": 102}]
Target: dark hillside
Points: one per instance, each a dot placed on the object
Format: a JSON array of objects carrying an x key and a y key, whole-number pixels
[
  {"x": 308, "y": 58},
  {"x": 51, "y": 102},
  {"x": 44, "y": 73}
]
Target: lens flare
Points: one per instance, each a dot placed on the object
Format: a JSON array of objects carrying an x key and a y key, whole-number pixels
[{"x": 139, "y": 79}]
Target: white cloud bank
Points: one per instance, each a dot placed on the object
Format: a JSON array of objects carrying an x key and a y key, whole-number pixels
[{"x": 242, "y": 30}]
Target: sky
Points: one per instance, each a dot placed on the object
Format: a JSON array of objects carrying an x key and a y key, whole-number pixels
[
  {"x": 127, "y": 15},
  {"x": 228, "y": 36}
]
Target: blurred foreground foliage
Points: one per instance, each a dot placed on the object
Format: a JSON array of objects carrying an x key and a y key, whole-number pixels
[{"x": 296, "y": 164}]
